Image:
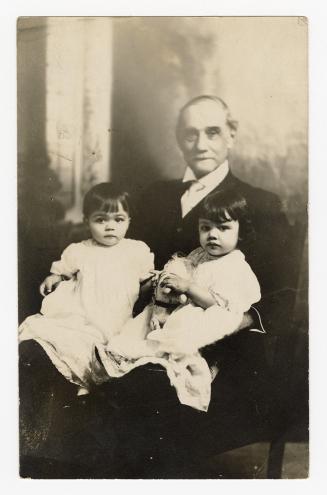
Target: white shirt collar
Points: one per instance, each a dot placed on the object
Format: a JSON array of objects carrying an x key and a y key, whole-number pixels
[
  {"x": 213, "y": 179},
  {"x": 208, "y": 183}
]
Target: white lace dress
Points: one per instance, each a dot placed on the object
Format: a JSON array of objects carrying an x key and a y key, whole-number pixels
[
  {"x": 176, "y": 346},
  {"x": 86, "y": 311}
]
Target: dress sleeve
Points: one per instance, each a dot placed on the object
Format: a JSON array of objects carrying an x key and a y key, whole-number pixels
[
  {"x": 235, "y": 287},
  {"x": 146, "y": 261},
  {"x": 69, "y": 263},
  {"x": 247, "y": 289}
]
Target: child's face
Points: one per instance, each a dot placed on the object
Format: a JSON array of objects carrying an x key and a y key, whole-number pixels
[
  {"x": 108, "y": 228},
  {"x": 218, "y": 239}
]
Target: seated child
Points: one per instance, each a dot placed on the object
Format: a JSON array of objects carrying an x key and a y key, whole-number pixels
[
  {"x": 220, "y": 287},
  {"x": 104, "y": 275}
]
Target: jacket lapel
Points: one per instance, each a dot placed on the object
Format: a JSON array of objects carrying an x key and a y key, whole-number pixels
[
  {"x": 226, "y": 183},
  {"x": 173, "y": 200}
]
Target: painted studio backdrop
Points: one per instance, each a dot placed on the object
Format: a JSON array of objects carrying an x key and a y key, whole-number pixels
[{"x": 98, "y": 100}]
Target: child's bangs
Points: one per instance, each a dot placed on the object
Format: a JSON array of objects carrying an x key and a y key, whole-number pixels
[
  {"x": 105, "y": 197},
  {"x": 220, "y": 214},
  {"x": 111, "y": 205},
  {"x": 223, "y": 206}
]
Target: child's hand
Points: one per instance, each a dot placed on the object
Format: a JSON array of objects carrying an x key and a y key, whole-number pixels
[
  {"x": 154, "y": 323},
  {"x": 49, "y": 284},
  {"x": 155, "y": 274},
  {"x": 175, "y": 283}
]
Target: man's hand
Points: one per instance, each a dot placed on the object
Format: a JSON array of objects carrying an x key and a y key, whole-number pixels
[
  {"x": 49, "y": 284},
  {"x": 247, "y": 321}
]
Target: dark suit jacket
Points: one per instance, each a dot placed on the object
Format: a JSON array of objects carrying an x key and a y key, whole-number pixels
[{"x": 159, "y": 223}]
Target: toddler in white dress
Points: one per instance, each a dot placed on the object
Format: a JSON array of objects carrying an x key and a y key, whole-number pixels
[
  {"x": 102, "y": 283},
  {"x": 220, "y": 290}
]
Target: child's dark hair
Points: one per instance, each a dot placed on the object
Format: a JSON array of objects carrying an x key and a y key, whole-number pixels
[
  {"x": 224, "y": 205},
  {"x": 105, "y": 197}
]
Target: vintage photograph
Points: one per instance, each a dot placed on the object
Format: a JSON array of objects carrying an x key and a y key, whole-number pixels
[{"x": 162, "y": 247}]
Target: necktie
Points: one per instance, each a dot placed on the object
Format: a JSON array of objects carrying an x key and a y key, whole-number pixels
[
  {"x": 186, "y": 185},
  {"x": 190, "y": 197},
  {"x": 195, "y": 186}
]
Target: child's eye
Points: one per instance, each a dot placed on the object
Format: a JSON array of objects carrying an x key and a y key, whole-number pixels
[
  {"x": 120, "y": 219},
  {"x": 222, "y": 228},
  {"x": 99, "y": 220},
  {"x": 204, "y": 228}
]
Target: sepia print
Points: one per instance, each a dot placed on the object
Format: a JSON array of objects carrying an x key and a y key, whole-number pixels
[{"x": 163, "y": 319}]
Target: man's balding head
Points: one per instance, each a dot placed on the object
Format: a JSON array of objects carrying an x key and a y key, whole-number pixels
[
  {"x": 232, "y": 123},
  {"x": 205, "y": 133}
]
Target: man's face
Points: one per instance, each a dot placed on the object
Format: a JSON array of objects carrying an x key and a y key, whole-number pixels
[{"x": 204, "y": 137}]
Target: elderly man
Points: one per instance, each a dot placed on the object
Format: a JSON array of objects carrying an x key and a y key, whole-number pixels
[
  {"x": 169, "y": 210},
  {"x": 168, "y": 222}
]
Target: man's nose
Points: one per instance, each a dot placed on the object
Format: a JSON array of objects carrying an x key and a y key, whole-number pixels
[{"x": 201, "y": 142}]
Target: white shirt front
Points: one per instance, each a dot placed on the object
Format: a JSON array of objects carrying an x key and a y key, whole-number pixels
[{"x": 201, "y": 187}]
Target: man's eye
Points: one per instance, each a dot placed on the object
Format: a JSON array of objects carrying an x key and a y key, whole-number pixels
[
  {"x": 190, "y": 135},
  {"x": 213, "y": 131}
]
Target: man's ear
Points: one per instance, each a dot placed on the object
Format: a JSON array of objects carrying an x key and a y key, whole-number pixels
[
  {"x": 178, "y": 138},
  {"x": 233, "y": 125}
]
